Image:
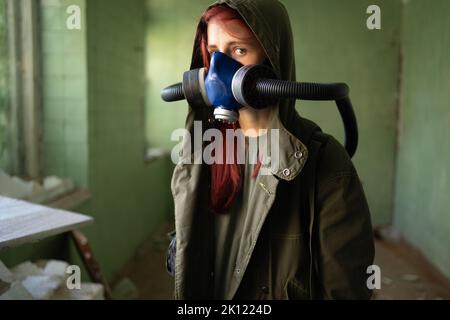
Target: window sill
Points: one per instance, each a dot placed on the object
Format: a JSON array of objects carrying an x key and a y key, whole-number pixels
[
  {"x": 71, "y": 200},
  {"x": 54, "y": 191}
]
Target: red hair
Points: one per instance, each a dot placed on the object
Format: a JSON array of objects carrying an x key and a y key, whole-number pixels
[{"x": 226, "y": 178}]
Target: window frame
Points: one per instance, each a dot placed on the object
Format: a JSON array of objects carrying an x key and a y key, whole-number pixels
[{"x": 25, "y": 93}]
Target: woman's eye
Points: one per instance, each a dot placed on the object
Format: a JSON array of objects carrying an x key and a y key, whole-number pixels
[{"x": 240, "y": 51}]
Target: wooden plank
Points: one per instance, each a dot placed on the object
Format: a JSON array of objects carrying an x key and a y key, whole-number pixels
[{"x": 23, "y": 222}]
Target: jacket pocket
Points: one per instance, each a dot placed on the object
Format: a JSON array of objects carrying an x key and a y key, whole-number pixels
[
  {"x": 171, "y": 253},
  {"x": 296, "y": 291}
]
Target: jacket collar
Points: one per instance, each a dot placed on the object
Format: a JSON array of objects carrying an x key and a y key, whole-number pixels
[{"x": 292, "y": 152}]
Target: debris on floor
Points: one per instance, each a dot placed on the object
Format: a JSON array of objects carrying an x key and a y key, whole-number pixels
[
  {"x": 146, "y": 269},
  {"x": 44, "y": 280},
  {"x": 51, "y": 188},
  {"x": 406, "y": 273}
]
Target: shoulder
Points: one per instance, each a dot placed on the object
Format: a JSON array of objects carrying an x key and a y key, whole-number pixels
[{"x": 333, "y": 161}]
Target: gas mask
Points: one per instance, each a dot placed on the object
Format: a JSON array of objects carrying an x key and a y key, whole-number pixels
[
  {"x": 228, "y": 85},
  {"x": 218, "y": 87}
]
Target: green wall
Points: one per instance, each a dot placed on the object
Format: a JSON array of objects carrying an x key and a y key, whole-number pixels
[
  {"x": 422, "y": 210},
  {"x": 130, "y": 197},
  {"x": 340, "y": 48},
  {"x": 333, "y": 44},
  {"x": 169, "y": 38},
  {"x": 65, "y": 93}
]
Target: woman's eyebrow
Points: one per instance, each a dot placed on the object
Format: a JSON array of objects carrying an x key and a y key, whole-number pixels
[{"x": 231, "y": 43}]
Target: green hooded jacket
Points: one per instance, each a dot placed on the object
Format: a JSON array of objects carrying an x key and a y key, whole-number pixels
[{"x": 310, "y": 235}]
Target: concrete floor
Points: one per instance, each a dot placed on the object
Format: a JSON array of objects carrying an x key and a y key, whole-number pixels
[{"x": 405, "y": 272}]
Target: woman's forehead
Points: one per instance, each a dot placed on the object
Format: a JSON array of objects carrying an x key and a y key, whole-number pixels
[{"x": 228, "y": 31}]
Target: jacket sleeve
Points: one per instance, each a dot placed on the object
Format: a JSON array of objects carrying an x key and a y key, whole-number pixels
[{"x": 344, "y": 229}]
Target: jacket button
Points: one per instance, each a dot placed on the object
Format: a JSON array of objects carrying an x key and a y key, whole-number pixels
[
  {"x": 298, "y": 154},
  {"x": 265, "y": 289},
  {"x": 286, "y": 172}
]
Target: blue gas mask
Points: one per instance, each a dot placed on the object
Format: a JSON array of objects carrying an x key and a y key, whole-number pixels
[{"x": 218, "y": 85}]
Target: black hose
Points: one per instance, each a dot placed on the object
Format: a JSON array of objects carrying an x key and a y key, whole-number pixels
[
  {"x": 301, "y": 90},
  {"x": 271, "y": 88},
  {"x": 173, "y": 93},
  {"x": 316, "y": 91},
  {"x": 348, "y": 117}
]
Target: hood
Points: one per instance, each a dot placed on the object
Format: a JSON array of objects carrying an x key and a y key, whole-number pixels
[{"x": 269, "y": 21}]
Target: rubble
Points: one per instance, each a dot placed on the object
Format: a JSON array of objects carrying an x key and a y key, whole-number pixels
[
  {"x": 43, "y": 281},
  {"x": 51, "y": 188}
]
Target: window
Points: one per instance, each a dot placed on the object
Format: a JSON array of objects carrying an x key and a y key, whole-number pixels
[{"x": 20, "y": 102}]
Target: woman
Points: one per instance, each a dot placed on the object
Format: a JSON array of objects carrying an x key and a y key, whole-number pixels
[{"x": 302, "y": 232}]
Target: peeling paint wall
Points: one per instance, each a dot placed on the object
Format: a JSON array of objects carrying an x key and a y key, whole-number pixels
[{"x": 422, "y": 202}]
